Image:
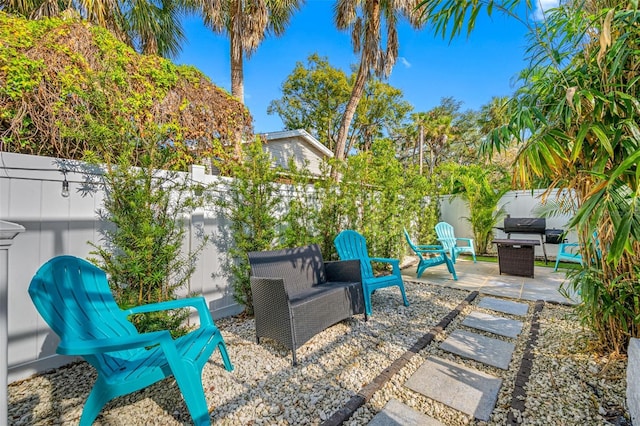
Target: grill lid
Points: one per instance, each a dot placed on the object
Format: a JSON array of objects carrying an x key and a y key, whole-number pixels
[{"x": 525, "y": 225}]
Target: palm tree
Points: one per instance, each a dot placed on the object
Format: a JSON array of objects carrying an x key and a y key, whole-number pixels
[
  {"x": 365, "y": 19},
  {"x": 150, "y": 27},
  {"x": 247, "y": 22},
  {"x": 575, "y": 119}
]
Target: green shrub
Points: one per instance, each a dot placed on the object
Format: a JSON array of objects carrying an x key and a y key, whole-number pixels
[{"x": 141, "y": 252}]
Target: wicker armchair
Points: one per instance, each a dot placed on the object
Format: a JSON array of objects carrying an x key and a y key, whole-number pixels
[{"x": 297, "y": 295}]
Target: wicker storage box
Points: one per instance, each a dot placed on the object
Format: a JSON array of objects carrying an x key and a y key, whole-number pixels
[{"x": 516, "y": 259}]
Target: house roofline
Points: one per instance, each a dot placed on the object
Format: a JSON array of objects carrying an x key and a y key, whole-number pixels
[{"x": 302, "y": 133}]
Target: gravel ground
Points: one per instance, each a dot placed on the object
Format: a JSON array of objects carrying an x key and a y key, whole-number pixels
[{"x": 567, "y": 385}]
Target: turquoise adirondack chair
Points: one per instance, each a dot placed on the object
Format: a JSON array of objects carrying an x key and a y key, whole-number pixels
[
  {"x": 351, "y": 245},
  {"x": 74, "y": 298},
  {"x": 430, "y": 255},
  {"x": 447, "y": 237},
  {"x": 568, "y": 252}
]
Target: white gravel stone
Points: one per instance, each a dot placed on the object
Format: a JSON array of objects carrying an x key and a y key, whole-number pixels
[{"x": 568, "y": 385}]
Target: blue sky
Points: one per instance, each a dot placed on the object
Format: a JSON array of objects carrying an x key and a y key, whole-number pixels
[{"x": 471, "y": 69}]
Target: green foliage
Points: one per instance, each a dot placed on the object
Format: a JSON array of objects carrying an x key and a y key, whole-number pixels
[
  {"x": 73, "y": 89},
  {"x": 448, "y": 134},
  {"x": 251, "y": 208},
  {"x": 154, "y": 28},
  {"x": 300, "y": 221},
  {"x": 481, "y": 188},
  {"x": 314, "y": 98},
  {"x": 576, "y": 120},
  {"x": 142, "y": 245},
  {"x": 378, "y": 197}
]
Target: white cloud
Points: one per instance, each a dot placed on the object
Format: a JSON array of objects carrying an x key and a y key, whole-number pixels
[
  {"x": 404, "y": 62},
  {"x": 542, "y": 6}
]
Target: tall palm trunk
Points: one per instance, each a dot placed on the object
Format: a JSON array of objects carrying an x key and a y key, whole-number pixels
[
  {"x": 350, "y": 110},
  {"x": 369, "y": 46},
  {"x": 237, "y": 66}
]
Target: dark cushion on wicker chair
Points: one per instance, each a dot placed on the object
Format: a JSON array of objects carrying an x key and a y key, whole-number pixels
[{"x": 297, "y": 295}]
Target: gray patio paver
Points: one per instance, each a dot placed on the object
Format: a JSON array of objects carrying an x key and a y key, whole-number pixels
[
  {"x": 395, "y": 413},
  {"x": 490, "y": 351},
  {"x": 465, "y": 389},
  {"x": 506, "y": 327},
  {"x": 505, "y": 306}
]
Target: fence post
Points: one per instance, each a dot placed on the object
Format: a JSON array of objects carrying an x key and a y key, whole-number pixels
[{"x": 8, "y": 231}]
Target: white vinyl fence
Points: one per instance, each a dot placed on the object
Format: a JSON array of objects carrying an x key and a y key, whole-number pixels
[
  {"x": 517, "y": 204},
  {"x": 31, "y": 195}
]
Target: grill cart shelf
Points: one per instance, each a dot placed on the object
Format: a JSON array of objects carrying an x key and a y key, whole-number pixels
[{"x": 516, "y": 257}]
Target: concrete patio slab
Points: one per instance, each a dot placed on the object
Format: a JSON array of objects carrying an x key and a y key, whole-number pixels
[
  {"x": 497, "y": 325},
  {"x": 465, "y": 389},
  {"x": 395, "y": 413},
  {"x": 485, "y": 278},
  {"x": 504, "y": 306},
  {"x": 490, "y": 351}
]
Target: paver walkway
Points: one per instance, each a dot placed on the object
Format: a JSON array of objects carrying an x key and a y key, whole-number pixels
[{"x": 463, "y": 388}]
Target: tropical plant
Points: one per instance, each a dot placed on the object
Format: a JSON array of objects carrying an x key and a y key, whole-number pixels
[
  {"x": 365, "y": 19},
  {"x": 247, "y": 22},
  {"x": 150, "y": 27},
  {"x": 576, "y": 121},
  {"x": 251, "y": 208},
  {"x": 299, "y": 225},
  {"x": 141, "y": 251},
  {"x": 313, "y": 98},
  {"x": 481, "y": 188}
]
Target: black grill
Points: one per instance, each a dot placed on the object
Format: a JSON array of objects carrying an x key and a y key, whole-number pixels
[
  {"x": 525, "y": 225},
  {"x": 553, "y": 236}
]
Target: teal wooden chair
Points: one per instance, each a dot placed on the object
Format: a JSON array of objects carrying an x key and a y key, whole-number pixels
[
  {"x": 351, "y": 245},
  {"x": 74, "y": 298},
  {"x": 430, "y": 255},
  {"x": 568, "y": 252},
  {"x": 447, "y": 237}
]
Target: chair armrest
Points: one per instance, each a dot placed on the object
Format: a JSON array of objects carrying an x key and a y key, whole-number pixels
[
  {"x": 429, "y": 247},
  {"x": 195, "y": 302},
  {"x": 395, "y": 263},
  {"x": 468, "y": 240},
  {"x": 99, "y": 346},
  {"x": 569, "y": 244},
  {"x": 268, "y": 293},
  {"x": 343, "y": 270},
  {"x": 385, "y": 260}
]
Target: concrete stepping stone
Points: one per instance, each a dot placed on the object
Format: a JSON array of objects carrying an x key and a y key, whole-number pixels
[
  {"x": 506, "y": 327},
  {"x": 487, "y": 350},
  {"x": 465, "y": 389},
  {"x": 395, "y": 413},
  {"x": 505, "y": 306}
]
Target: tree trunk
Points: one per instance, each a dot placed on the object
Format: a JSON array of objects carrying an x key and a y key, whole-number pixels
[
  {"x": 237, "y": 77},
  {"x": 350, "y": 110}
]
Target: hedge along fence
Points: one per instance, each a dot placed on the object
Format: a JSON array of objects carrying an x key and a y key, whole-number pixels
[
  {"x": 58, "y": 225},
  {"x": 30, "y": 194}
]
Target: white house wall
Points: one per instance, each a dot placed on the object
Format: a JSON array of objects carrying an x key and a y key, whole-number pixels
[{"x": 284, "y": 149}]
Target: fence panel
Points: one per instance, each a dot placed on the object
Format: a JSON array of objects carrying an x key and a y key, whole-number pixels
[{"x": 31, "y": 195}]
